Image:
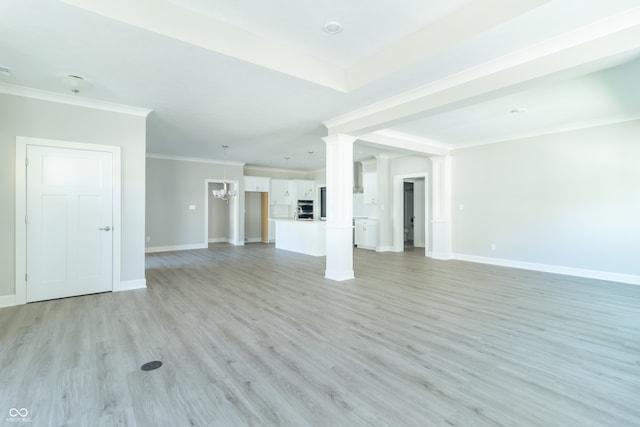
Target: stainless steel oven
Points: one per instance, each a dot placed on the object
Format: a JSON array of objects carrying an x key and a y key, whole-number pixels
[{"x": 305, "y": 210}]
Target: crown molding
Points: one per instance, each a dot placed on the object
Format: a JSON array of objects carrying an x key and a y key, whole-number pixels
[
  {"x": 193, "y": 159},
  {"x": 62, "y": 98},
  {"x": 551, "y": 131}
]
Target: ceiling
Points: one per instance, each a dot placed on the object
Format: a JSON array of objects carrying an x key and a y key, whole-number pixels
[{"x": 404, "y": 76}]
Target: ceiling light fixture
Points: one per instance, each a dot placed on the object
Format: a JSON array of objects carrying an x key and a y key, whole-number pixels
[
  {"x": 76, "y": 83},
  {"x": 224, "y": 193},
  {"x": 518, "y": 110},
  {"x": 332, "y": 27}
]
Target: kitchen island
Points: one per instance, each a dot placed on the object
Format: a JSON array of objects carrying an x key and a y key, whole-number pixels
[{"x": 302, "y": 236}]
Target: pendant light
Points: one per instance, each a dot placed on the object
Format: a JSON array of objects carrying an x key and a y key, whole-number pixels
[{"x": 224, "y": 193}]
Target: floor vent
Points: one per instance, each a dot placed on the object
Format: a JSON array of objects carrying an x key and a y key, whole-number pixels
[{"x": 150, "y": 366}]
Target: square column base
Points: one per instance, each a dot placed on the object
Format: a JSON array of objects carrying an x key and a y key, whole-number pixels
[{"x": 339, "y": 253}]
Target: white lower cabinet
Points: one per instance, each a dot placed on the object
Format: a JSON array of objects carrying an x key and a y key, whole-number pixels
[{"x": 366, "y": 233}]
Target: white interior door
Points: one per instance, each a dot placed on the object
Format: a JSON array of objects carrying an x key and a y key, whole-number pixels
[{"x": 69, "y": 222}]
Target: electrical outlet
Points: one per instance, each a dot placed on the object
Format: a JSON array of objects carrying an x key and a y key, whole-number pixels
[{"x": 148, "y": 238}]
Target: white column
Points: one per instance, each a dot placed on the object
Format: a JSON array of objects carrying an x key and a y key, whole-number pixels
[
  {"x": 441, "y": 184},
  {"x": 339, "y": 207}
]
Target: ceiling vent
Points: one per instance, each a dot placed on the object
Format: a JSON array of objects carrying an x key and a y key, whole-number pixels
[{"x": 357, "y": 178}]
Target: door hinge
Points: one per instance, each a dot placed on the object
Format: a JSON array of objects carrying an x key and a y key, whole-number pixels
[
  {"x": 25, "y": 277},
  {"x": 26, "y": 219},
  {"x": 26, "y": 162}
]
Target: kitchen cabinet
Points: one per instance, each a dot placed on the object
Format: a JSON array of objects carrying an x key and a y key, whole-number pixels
[
  {"x": 281, "y": 192},
  {"x": 256, "y": 183},
  {"x": 366, "y": 233},
  {"x": 304, "y": 189},
  {"x": 370, "y": 184}
]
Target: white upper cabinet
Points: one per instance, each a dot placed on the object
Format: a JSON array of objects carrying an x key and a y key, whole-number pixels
[
  {"x": 305, "y": 189},
  {"x": 370, "y": 184},
  {"x": 281, "y": 192},
  {"x": 256, "y": 183}
]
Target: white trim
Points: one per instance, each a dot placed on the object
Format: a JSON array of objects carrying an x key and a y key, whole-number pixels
[
  {"x": 21, "y": 206},
  {"x": 193, "y": 159},
  {"x": 557, "y": 269},
  {"x": 397, "y": 198},
  {"x": 7, "y": 301},
  {"x": 219, "y": 240},
  {"x": 558, "y": 129},
  {"x": 339, "y": 276},
  {"x": 384, "y": 249},
  {"x": 130, "y": 285},
  {"x": 171, "y": 248},
  {"x": 253, "y": 240},
  {"x": 63, "y": 98}
]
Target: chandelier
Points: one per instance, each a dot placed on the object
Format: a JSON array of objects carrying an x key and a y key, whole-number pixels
[{"x": 224, "y": 193}]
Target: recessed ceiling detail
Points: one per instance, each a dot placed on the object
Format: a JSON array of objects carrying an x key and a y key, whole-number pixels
[{"x": 172, "y": 19}]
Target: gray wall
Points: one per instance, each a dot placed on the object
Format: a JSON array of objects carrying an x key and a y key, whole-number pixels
[
  {"x": 173, "y": 185},
  {"x": 569, "y": 199},
  {"x": 218, "y": 217},
  {"x": 20, "y": 116}
]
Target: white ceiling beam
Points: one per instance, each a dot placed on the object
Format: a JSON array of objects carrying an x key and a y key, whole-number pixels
[
  {"x": 200, "y": 30},
  {"x": 607, "y": 38},
  {"x": 403, "y": 141},
  {"x": 472, "y": 19},
  {"x": 180, "y": 23}
]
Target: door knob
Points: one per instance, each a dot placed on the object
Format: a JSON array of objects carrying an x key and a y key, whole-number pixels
[{"x": 107, "y": 228}]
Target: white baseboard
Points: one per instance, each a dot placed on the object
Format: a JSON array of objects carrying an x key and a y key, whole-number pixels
[
  {"x": 129, "y": 285},
  {"x": 155, "y": 249},
  {"x": 444, "y": 256},
  {"x": 384, "y": 249},
  {"x": 253, "y": 240},
  {"x": 7, "y": 300},
  {"x": 557, "y": 269},
  {"x": 338, "y": 276},
  {"x": 219, "y": 240}
]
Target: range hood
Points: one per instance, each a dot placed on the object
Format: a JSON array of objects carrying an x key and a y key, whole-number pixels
[{"x": 357, "y": 178}]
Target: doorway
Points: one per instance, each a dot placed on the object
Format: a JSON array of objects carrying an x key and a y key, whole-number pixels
[
  {"x": 409, "y": 216},
  {"x": 256, "y": 217},
  {"x": 67, "y": 219},
  {"x": 221, "y": 218},
  {"x": 410, "y": 213}
]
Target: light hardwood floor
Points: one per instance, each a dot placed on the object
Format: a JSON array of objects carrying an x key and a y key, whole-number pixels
[{"x": 255, "y": 336}]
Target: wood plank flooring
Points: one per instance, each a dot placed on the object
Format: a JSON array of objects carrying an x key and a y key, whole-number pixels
[{"x": 254, "y": 336}]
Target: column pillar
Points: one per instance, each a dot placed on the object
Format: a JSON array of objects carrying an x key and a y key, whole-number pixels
[
  {"x": 339, "y": 264},
  {"x": 441, "y": 186}
]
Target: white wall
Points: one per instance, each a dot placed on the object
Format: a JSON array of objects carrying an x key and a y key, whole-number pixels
[
  {"x": 22, "y": 116},
  {"x": 569, "y": 199},
  {"x": 173, "y": 185}
]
